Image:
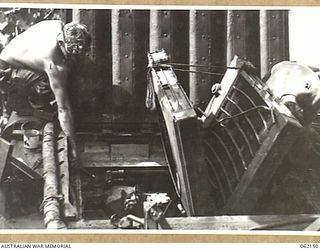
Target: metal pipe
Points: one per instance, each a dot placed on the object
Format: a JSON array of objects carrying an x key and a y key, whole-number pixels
[{"x": 51, "y": 197}]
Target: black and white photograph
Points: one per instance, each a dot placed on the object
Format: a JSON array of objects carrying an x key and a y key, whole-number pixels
[{"x": 189, "y": 118}]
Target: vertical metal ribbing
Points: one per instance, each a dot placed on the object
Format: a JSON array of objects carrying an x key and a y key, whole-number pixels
[
  {"x": 200, "y": 53},
  {"x": 274, "y": 40},
  {"x": 161, "y": 30},
  {"x": 122, "y": 58},
  {"x": 154, "y": 42},
  {"x": 243, "y": 36},
  {"x": 76, "y": 15}
]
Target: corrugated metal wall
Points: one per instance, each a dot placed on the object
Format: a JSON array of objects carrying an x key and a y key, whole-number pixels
[{"x": 113, "y": 80}]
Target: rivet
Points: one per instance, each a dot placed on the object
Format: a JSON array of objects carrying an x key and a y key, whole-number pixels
[
  {"x": 126, "y": 33},
  {"x": 202, "y": 14},
  {"x": 127, "y": 78},
  {"x": 238, "y": 37},
  {"x": 274, "y": 38},
  {"x": 165, "y": 12},
  {"x": 126, "y": 56},
  {"x": 165, "y": 34},
  {"x": 203, "y": 36},
  {"x": 203, "y": 58}
]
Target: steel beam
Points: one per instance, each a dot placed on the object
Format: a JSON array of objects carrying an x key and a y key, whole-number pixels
[
  {"x": 200, "y": 53},
  {"x": 123, "y": 39},
  {"x": 243, "y": 36},
  {"x": 273, "y": 38},
  {"x": 161, "y": 28}
]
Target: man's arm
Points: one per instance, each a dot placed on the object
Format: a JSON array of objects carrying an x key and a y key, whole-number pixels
[{"x": 58, "y": 77}]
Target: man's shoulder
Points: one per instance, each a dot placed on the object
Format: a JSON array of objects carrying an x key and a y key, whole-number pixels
[{"x": 47, "y": 24}]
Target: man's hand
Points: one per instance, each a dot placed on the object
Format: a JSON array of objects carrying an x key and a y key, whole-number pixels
[
  {"x": 74, "y": 153},
  {"x": 215, "y": 89}
]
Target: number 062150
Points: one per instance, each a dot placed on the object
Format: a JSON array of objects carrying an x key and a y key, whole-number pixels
[{"x": 309, "y": 245}]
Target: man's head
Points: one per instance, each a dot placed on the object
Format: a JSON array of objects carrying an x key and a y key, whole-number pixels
[{"x": 76, "y": 38}]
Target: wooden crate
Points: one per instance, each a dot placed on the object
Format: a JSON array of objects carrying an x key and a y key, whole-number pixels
[{"x": 248, "y": 133}]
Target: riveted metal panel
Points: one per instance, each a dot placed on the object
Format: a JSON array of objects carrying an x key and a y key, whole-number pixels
[
  {"x": 161, "y": 30},
  {"x": 123, "y": 58},
  {"x": 200, "y": 53},
  {"x": 273, "y": 38},
  {"x": 218, "y": 46},
  {"x": 243, "y": 36}
]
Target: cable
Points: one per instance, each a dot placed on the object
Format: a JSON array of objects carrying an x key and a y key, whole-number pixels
[
  {"x": 196, "y": 65},
  {"x": 199, "y": 72},
  {"x": 245, "y": 112}
]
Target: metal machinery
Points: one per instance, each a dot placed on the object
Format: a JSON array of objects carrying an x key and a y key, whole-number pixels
[{"x": 188, "y": 176}]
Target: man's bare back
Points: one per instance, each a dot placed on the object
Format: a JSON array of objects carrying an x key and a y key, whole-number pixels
[
  {"x": 35, "y": 47},
  {"x": 45, "y": 47}
]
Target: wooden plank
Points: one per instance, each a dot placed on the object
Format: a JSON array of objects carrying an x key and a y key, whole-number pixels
[
  {"x": 242, "y": 222},
  {"x": 263, "y": 166},
  {"x": 227, "y": 81},
  {"x": 121, "y": 164},
  {"x": 200, "y": 53},
  {"x": 274, "y": 38},
  {"x": 129, "y": 152},
  {"x": 23, "y": 168}
]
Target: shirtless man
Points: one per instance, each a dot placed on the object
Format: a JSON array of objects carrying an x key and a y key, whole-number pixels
[{"x": 45, "y": 48}]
